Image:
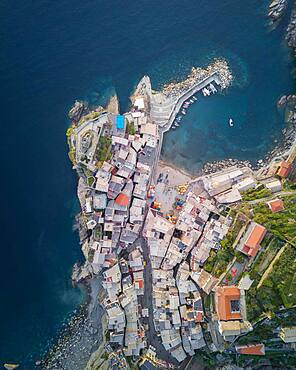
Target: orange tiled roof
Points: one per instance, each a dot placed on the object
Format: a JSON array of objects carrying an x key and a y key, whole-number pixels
[
  {"x": 252, "y": 244},
  {"x": 199, "y": 317},
  {"x": 276, "y": 205},
  {"x": 284, "y": 169},
  {"x": 122, "y": 200},
  {"x": 224, "y": 295},
  {"x": 252, "y": 349},
  {"x": 141, "y": 283}
]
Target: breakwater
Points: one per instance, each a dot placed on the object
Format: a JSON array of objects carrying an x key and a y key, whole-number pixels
[{"x": 187, "y": 95}]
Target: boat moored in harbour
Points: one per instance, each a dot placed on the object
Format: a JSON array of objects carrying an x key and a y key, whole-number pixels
[
  {"x": 213, "y": 89},
  {"x": 205, "y": 91}
]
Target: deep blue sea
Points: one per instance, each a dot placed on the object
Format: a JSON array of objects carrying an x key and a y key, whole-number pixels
[{"x": 53, "y": 52}]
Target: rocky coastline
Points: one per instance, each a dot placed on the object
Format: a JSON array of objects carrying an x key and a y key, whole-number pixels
[
  {"x": 278, "y": 153},
  {"x": 83, "y": 335},
  {"x": 77, "y": 111},
  {"x": 291, "y": 31}
]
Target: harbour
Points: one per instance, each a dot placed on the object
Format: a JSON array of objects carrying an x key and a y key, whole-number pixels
[{"x": 165, "y": 107}]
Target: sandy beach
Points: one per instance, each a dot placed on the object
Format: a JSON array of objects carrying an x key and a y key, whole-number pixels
[
  {"x": 169, "y": 177},
  {"x": 176, "y": 176}
]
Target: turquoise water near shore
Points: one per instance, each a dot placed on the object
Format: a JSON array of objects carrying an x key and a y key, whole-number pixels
[{"x": 55, "y": 52}]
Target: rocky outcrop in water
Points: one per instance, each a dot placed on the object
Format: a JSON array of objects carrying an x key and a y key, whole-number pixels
[
  {"x": 277, "y": 9},
  {"x": 113, "y": 105},
  {"x": 77, "y": 111},
  {"x": 81, "y": 272},
  {"x": 288, "y": 103}
]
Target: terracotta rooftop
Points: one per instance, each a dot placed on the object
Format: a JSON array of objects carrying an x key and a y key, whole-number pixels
[
  {"x": 276, "y": 205},
  {"x": 252, "y": 244},
  {"x": 252, "y": 349},
  {"x": 199, "y": 317},
  {"x": 284, "y": 169},
  {"x": 122, "y": 200},
  {"x": 227, "y": 303},
  {"x": 141, "y": 283}
]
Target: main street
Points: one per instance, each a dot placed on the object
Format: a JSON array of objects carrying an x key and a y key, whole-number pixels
[{"x": 152, "y": 337}]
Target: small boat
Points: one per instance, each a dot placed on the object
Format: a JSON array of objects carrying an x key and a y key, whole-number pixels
[
  {"x": 191, "y": 101},
  {"x": 177, "y": 125},
  {"x": 11, "y": 366},
  {"x": 231, "y": 123},
  {"x": 194, "y": 97},
  {"x": 183, "y": 111},
  {"x": 205, "y": 91},
  {"x": 173, "y": 127},
  {"x": 212, "y": 87}
]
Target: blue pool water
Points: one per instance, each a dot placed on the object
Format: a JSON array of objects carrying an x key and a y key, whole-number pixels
[{"x": 55, "y": 52}]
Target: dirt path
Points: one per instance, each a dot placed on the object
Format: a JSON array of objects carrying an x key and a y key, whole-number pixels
[{"x": 281, "y": 193}]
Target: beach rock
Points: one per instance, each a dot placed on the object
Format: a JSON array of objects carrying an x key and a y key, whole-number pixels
[
  {"x": 113, "y": 105},
  {"x": 221, "y": 165}
]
